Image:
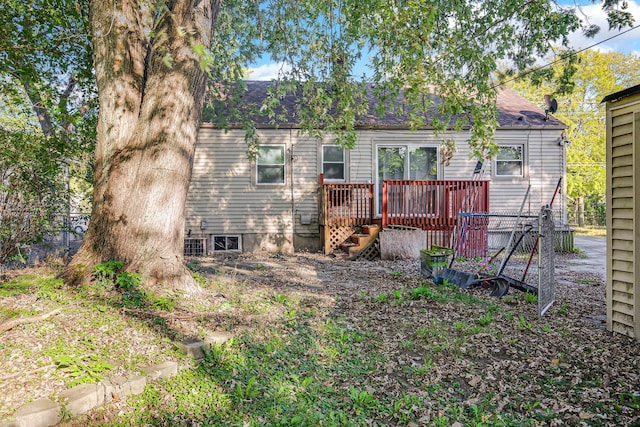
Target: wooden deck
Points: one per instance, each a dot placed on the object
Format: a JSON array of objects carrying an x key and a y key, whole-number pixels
[{"x": 431, "y": 205}]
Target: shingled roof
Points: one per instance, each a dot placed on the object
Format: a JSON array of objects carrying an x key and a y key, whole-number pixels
[
  {"x": 622, "y": 94},
  {"x": 513, "y": 111}
]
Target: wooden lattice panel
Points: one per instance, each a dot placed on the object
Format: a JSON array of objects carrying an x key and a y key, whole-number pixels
[
  {"x": 335, "y": 236},
  {"x": 372, "y": 252}
]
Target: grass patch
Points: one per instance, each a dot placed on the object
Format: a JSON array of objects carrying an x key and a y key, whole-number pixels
[
  {"x": 271, "y": 380},
  {"x": 89, "y": 338},
  {"x": 443, "y": 293},
  {"x": 530, "y": 298},
  {"x": 18, "y": 285},
  {"x": 10, "y": 313},
  {"x": 393, "y": 351},
  {"x": 590, "y": 231}
]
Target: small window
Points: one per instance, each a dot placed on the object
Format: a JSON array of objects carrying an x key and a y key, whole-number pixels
[
  {"x": 195, "y": 247},
  {"x": 509, "y": 161},
  {"x": 226, "y": 243},
  {"x": 333, "y": 163},
  {"x": 270, "y": 164}
]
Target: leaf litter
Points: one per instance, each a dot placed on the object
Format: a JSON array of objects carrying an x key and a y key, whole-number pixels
[{"x": 455, "y": 350}]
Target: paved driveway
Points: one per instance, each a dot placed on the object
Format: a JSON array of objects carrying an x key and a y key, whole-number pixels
[{"x": 592, "y": 259}]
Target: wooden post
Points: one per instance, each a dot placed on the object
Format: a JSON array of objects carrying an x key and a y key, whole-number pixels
[
  {"x": 384, "y": 204},
  {"x": 371, "y": 199}
]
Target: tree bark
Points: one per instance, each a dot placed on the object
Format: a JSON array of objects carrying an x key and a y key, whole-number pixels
[{"x": 147, "y": 128}]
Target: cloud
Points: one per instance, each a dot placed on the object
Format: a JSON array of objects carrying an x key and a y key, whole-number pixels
[
  {"x": 593, "y": 14},
  {"x": 267, "y": 71}
]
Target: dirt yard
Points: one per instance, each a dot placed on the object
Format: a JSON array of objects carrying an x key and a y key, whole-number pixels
[{"x": 565, "y": 364}]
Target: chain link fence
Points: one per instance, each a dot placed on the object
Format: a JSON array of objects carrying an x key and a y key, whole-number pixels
[
  {"x": 62, "y": 237},
  {"x": 517, "y": 248}
]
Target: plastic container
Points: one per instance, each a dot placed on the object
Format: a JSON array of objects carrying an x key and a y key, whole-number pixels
[{"x": 433, "y": 260}]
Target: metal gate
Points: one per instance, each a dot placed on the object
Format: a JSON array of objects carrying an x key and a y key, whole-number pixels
[
  {"x": 546, "y": 261},
  {"x": 519, "y": 250}
]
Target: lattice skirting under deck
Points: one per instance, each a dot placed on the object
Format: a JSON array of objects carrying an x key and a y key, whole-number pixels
[
  {"x": 372, "y": 252},
  {"x": 335, "y": 235}
]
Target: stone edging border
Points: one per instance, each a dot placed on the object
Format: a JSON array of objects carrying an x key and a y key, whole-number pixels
[{"x": 85, "y": 397}]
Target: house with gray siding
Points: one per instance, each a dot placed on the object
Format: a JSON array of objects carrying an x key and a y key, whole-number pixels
[{"x": 274, "y": 202}]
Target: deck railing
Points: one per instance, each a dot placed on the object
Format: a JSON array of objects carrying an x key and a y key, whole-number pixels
[
  {"x": 347, "y": 204},
  {"x": 431, "y": 202},
  {"x": 431, "y": 205},
  {"x": 434, "y": 206}
]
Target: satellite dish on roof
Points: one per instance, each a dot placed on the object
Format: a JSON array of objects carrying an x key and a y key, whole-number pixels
[{"x": 552, "y": 106}]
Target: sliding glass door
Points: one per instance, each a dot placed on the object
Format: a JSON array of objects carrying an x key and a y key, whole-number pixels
[{"x": 404, "y": 162}]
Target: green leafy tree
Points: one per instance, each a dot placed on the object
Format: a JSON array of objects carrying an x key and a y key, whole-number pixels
[
  {"x": 596, "y": 75},
  {"x": 152, "y": 60},
  {"x": 28, "y": 185},
  {"x": 45, "y": 61},
  {"x": 46, "y": 123}
]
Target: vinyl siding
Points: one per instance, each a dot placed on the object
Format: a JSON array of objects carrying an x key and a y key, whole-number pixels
[
  {"x": 224, "y": 194},
  {"x": 544, "y": 165},
  {"x": 361, "y": 159},
  {"x": 365, "y": 155},
  {"x": 305, "y": 175},
  {"x": 623, "y": 207},
  {"x": 223, "y": 190}
]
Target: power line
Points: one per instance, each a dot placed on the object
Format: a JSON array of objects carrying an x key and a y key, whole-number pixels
[{"x": 564, "y": 58}]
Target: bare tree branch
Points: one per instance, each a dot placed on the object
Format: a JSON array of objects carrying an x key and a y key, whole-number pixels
[{"x": 12, "y": 323}]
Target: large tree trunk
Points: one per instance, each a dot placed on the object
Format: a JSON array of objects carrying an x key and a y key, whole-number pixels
[{"x": 149, "y": 117}]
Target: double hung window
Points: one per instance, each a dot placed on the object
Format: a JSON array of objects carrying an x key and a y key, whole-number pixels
[
  {"x": 510, "y": 161},
  {"x": 270, "y": 164},
  {"x": 333, "y": 163}
]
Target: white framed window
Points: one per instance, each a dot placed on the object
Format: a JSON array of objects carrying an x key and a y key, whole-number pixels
[
  {"x": 270, "y": 165},
  {"x": 509, "y": 161},
  {"x": 226, "y": 243},
  {"x": 334, "y": 165}
]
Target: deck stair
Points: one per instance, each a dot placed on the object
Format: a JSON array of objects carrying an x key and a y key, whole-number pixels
[{"x": 361, "y": 245}]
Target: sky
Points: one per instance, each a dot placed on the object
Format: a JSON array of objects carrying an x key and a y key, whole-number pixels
[{"x": 628, "y": 42}]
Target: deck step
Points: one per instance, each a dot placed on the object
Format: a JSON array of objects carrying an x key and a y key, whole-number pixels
[
  {"x": 370, "y": 229},
  {"x": 360, "y": 239},
  {"x": 346, "y": 247},
  {"x": 357, "y": 243}
]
